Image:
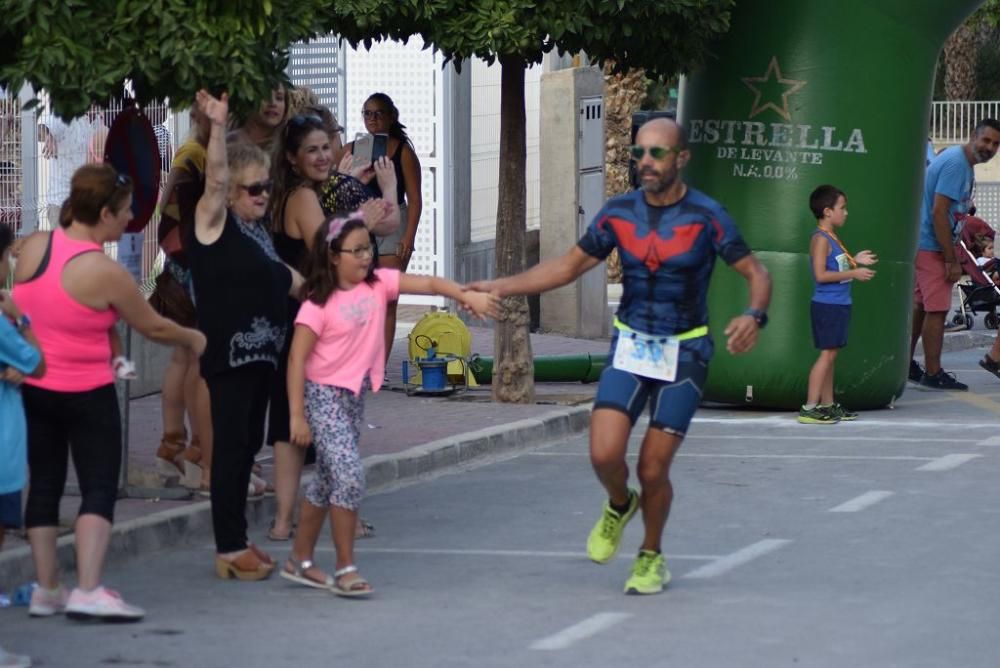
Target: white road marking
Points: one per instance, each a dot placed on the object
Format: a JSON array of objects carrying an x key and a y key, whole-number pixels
[
  {"x": 791, "y": 419},
  {"x": 543, "y": 554},
  {"x": 947, "y": 462},
  {"x": 991, "y": 441},
  {"x": 747, "y": 554},
  {"x": 591, "y": 626},
  {"x": 727, "y": 455},
  {"x": 861, "y": 502},
  {"x": 840, "y": 440}
]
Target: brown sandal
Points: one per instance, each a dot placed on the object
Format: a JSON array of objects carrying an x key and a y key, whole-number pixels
[
  {"x": 247, "y": 566},
  {"x": 170, "y": 454}
]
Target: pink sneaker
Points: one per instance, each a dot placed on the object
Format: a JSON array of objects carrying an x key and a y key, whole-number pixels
[
  {"x": 101, "y": 604},
  {"x": 45, "y": 602}
]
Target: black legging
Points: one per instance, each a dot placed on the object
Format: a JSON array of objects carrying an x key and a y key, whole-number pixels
[
  {"x": 86, "y": 425},
  {"x": 239, "y": 402}
]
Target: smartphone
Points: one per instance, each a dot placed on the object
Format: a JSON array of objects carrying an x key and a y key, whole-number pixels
[
  {"x": 363, "y": 144},
  {"x": 380, "y": 146}
]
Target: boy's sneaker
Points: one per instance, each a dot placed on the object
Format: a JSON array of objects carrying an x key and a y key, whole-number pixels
[
  {"x": 817, "y": 415},
  {"x": 602, "y": 544},
  {"x": 102, "y": 604},
  {"x": 8, "y": 660},
  {"x": 991, "y": 366},
  {"x": 45, "y": 602},
  {"x": 841, "y": 413},
  {"x": 943, "y": 380},
  {"x": 916, "y": 371},
  {"x": 649, "y": 574}
]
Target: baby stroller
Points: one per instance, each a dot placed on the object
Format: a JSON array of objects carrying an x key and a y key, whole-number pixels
[{"x": 979, "y": 292}]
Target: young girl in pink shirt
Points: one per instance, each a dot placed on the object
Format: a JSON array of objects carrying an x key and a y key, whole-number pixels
[{"x": 337, "y": 354}]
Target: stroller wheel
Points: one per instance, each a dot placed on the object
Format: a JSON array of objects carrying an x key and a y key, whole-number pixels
[
  {"x": 968, "y": 321},
  {"x": 991, "y": 321},
  {"x": 958, "y": 319}
]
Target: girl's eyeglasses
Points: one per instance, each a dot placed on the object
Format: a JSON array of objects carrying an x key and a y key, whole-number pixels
[
  {"x": 259, "y": 188},
  {"x": 655, "y": 152},
  {"x": 361, "y": 252}
]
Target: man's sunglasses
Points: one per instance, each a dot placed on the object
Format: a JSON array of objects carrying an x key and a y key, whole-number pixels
[
  {"x": 259, "y": 188},
  {"x": 655, "y": 152}
]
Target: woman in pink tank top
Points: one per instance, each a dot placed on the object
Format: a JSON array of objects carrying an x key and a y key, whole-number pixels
[{"x": 73, "y": 295}]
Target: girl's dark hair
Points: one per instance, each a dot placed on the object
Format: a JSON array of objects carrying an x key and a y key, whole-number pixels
[
  {"x": 321, "y": 277},
  {"x": 94, "y": 187},
  {"x": 286, "y": 180},
  {"x": 396, "y": 129},
  {"x": 6, "y": 239}
]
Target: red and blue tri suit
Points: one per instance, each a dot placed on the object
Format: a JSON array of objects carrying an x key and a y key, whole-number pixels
[{"x": 667, "y": 255}]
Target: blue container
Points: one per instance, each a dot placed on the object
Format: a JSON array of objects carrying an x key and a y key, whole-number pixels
[{"x": 433, "y": 373}]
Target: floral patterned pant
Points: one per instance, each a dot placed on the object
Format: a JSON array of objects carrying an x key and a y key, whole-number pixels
[{"x": 334, "y": 415}]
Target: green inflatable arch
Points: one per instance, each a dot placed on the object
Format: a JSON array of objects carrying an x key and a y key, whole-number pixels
[{"x": 804, "y": 92}]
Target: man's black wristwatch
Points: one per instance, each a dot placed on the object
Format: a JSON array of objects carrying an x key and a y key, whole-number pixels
[{"x": 758, "y": 315}]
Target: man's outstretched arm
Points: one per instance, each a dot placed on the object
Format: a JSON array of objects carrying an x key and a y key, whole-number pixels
[{"x": 544, "y": 276}]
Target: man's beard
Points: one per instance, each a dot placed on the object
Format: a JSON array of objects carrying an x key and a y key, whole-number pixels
[{"x": 662, "y": 183}]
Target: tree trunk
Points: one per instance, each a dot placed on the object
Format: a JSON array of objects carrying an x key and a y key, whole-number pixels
[
  {"x": 513, "y": 366},
  {"x": 623, "y": 93},
  {"x": 960, "y": 63}
]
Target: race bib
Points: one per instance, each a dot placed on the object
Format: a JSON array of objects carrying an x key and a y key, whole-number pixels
[{"x": 648, "y": 356}]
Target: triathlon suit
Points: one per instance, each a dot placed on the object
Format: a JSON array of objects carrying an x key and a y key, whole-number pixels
[{"x": 667, "y": 256}]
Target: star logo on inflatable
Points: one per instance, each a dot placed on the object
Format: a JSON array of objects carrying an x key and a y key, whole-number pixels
[{"x": 770, "y": 88}]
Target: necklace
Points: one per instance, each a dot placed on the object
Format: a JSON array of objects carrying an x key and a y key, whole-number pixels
[{"x": 850, "y": 258}]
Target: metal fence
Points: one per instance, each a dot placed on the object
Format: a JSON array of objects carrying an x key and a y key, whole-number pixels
[
  {"x": 953, "y": 122},
  {"x": 39, "y": 153}
]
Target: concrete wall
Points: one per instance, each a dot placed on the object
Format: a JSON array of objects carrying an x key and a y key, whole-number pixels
[{"x": 569, "y": 310}]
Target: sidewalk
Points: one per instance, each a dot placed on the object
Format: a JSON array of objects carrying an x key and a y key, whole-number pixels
[{"x": 403, "y": 437}]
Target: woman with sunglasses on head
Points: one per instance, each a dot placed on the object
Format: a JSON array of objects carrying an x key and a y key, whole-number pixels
[
  {"x": 72, "y": 295},
  {"x": 394, "y": 250},
  {"x": 241, "y": 288},
  {"x": 304, "y": 161}
]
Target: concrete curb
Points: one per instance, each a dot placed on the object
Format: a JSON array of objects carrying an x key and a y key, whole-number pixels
[
  {"x": 167, "y": 528},
  {"x": 967, "y": 340}
]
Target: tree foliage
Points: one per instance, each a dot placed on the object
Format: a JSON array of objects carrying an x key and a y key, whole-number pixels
[{"x": 83, "y": 51}]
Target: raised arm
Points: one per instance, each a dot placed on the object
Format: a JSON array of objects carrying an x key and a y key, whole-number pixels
[
  {"x": 482, "y": 304},
  {"x": 211, "y": 212}
]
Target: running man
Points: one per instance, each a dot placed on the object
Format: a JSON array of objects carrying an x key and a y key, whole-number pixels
[{"x": 668, "y": 236}]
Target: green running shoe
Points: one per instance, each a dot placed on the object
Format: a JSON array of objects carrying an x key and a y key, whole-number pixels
[
  {"x": 818, "y": 415},
  {"x": 841, "y": 413},
  {"x": 649, "y": 574},
  {"x": 602, "y": 544}
]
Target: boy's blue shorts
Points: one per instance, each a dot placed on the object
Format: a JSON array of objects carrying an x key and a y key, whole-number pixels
[
  {"x": 10, "y": 510},
  {"x": 829, "y": 325}
]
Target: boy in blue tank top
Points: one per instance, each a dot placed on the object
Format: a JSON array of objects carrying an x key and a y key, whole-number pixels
[{"x": 833, "y": 269}]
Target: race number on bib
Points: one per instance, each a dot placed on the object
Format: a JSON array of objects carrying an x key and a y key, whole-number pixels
[{"x": 649, "y": 356}]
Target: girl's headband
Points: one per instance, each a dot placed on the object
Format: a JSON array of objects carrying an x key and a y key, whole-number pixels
[{"x": 337, "y": 224}]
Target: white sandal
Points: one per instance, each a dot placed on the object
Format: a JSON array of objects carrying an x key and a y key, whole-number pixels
[
  {"x": 351, "y": 591},
  {"x": 298, "y": 575}
]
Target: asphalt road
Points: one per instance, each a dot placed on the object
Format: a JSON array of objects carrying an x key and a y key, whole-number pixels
[{"x": 866, "y": 544}]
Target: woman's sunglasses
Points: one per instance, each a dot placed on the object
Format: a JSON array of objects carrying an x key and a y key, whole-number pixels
[
  {"x": 655, "y": 152},
  {"x": 259, "y": 188},
  {"x": 121, "y": 181},
  {"x": 372, "y": 114}
]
